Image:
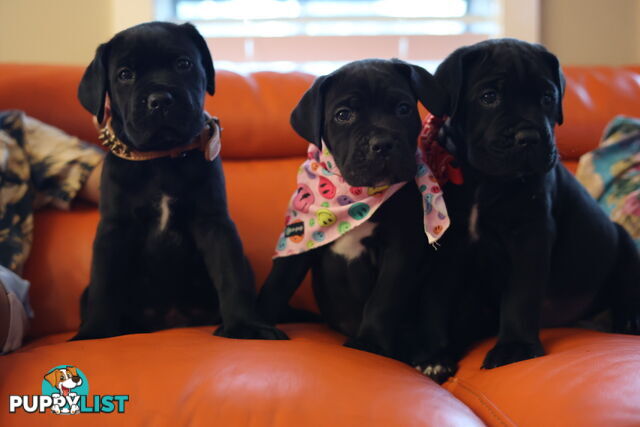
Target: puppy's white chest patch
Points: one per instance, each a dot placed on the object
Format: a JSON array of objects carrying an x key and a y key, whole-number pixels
[
  {"x": 473, "y": 223},
  {"x": 165, "y": 212},
  {"x": 350, "y": 245}
]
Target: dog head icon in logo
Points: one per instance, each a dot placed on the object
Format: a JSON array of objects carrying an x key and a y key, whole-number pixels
[
  {"x": 65, "y": 384},
  {"x": 65, "y": 390}
]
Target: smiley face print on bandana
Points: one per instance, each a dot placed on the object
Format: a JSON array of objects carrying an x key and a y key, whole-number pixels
[{"x": 324, "y": 207}]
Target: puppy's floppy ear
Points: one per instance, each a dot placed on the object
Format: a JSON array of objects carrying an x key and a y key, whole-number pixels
[
  {"x": 53, "y": 377},
  {"x": 307, "y": 119},
  {"x": 424, "y": 87},
  {"x": 450, "y": 76},
  {"x": 205, "y": 54},
  {"x": 95, "y": 83},
  {"x": 558, "y": 78}
]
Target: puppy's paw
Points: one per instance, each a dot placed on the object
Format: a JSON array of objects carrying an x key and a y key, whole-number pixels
[
  {"x": 438, "y": 367},
  {"x": 250, "y": 331},
  {"x": 626, "y": 322},
  {"x": 86, "y": 334},
  {"x": 438, "y": 371},
  {"x": 506, "y": 353},
  {"x": 368, "y": 346},
  {"x": 80, "y": 337}
]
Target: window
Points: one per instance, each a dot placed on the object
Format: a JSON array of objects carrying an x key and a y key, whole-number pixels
[{"x": 320, "y": 35}]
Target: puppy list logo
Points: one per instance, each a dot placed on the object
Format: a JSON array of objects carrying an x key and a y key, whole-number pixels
[{"x": 65, "y": 391}]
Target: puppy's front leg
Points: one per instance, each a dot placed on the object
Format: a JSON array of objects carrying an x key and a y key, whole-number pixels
[
  {"x": 114, "y": 265},
  {"x": 285, "y": 277},
  {"x": 232, "y": 277},
  {"x": 529, "y": 248},
  {"x": 389, "y": 299},
  {"x": 433, "y": 351}
]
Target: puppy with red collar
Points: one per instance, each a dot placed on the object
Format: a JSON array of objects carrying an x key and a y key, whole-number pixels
[{"x": 528, "y": 247}]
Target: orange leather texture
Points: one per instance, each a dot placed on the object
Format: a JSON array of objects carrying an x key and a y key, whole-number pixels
[
  {"x": 587, "y": 378},
  {"x": 254, "y": 109},
  {"x": 186, "y": 376}
]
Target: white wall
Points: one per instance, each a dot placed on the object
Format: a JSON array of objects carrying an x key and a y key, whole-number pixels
[
  {"x": 68, "y": 31},
  {"x": 592, "y": 31},
  {"x": 63, "y": 31}
]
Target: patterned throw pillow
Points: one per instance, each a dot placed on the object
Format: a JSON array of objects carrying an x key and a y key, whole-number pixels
[{"x": 611, "y": 173}]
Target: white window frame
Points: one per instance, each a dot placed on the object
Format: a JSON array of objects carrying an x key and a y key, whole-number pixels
[{"x": 518, "y": 18}]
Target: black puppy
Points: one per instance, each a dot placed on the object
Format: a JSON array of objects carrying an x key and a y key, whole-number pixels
[
  {"x": 528, "y": 246},
  {"x": 365, "y": 112},
  {"x": 166, "y": 251}
]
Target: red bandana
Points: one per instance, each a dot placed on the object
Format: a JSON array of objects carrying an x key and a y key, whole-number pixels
[{"x": 440, "y": 161}]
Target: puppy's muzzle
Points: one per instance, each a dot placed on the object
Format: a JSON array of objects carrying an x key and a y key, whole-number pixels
[
  {"x": 159, "y": 101},
  {"x": 530, "y": 146},
  {"x": 526, "y": 138},
  {"x": 520, "y": 140},
  {"x": 387, "y": 159},
  {"x": 381, "y": 146}
]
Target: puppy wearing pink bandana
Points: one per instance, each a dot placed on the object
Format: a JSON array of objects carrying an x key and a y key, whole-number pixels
[{"x": 366, "y": 208}]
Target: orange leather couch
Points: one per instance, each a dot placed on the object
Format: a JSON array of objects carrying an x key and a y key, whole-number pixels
[{"x": 189, "y": 377}]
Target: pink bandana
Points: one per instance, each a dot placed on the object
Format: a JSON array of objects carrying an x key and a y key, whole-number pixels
[{"x": 324, "y": 206}]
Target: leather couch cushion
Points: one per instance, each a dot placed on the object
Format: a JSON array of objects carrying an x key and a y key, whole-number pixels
[
  {"x": 586, "y": 379},
  {"x": 189, "y": 377}
]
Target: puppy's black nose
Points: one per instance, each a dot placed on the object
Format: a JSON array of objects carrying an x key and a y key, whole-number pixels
[
  {"x": 380, "y": 146},
  {"x": 527, "y": 137},
  {"x": 159, "y": 100}
]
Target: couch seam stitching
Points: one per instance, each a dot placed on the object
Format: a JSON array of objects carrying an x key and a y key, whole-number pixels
[{"x": 481, "y": 398}]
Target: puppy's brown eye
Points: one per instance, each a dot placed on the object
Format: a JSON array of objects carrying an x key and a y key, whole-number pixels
[
  {"x": 125, "y": 74},
  {"x": 489, "y": 97},
  {"x": 184, "y": 64},
  {"x": 547, "y": 99},
  {"x": 344, "y": 115},
  {"x": 403, "y": 109}
]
